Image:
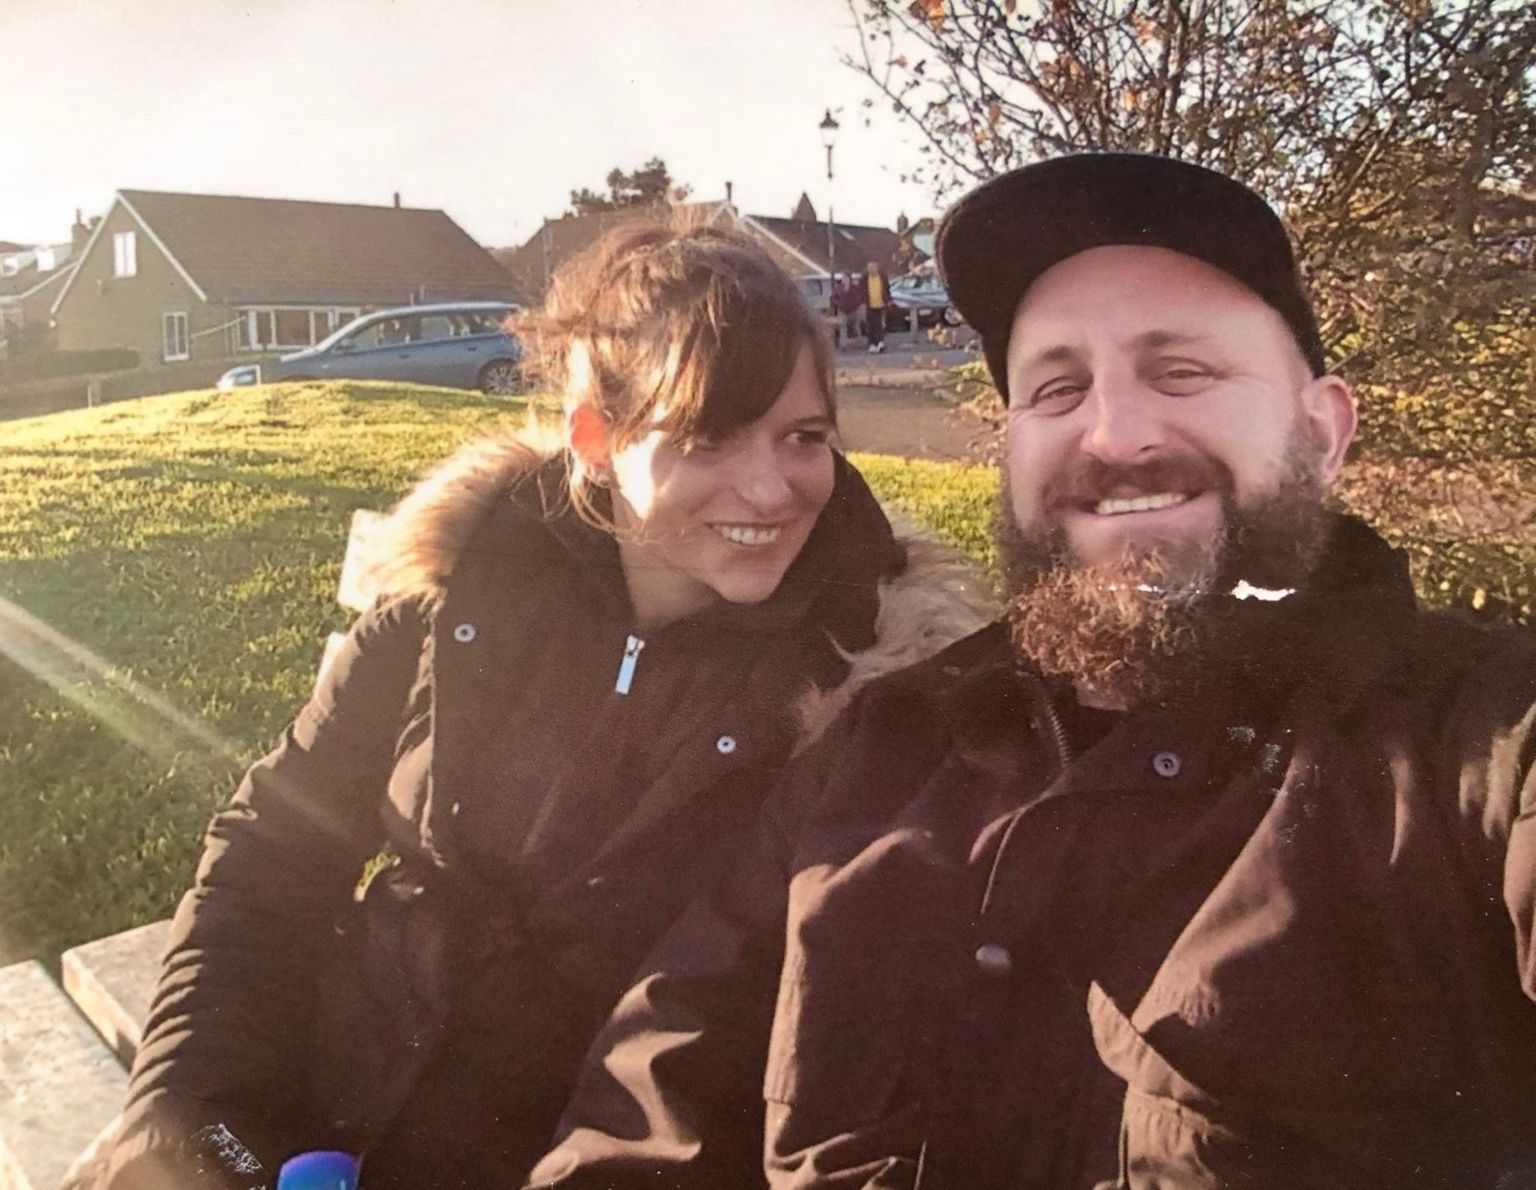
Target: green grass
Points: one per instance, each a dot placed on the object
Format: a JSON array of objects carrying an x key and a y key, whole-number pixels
[{"x": 192, "y": 543}]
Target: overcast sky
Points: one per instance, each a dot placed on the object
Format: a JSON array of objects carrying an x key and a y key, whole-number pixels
[{"x": 493, "y": 110}]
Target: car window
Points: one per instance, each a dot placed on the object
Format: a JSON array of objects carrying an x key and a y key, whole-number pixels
[
  {"x": 432, "y": 327},
  {"x": 478, "y": 322}
]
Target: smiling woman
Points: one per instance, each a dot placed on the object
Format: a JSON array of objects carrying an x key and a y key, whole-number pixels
[{"x": 557, "y": 725}]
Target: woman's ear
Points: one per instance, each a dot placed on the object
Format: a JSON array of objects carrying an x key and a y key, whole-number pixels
[
  {"x": 587, "y": 432},
  {"x": 1329, "y": 407}
]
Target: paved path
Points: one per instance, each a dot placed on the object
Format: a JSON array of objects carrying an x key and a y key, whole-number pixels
[
  {"x": 904, "y": 421},
  {"x": 897, "y": 403}
]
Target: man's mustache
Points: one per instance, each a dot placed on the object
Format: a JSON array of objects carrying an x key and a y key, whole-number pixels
[{"x": 1089, "y": 480}]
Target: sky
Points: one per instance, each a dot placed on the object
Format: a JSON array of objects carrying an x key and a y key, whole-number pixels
[{"x": 493, "y": 110}]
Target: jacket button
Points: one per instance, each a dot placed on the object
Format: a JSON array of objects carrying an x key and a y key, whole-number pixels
[
  {"x": 725, "y": 745},
  {"x": 464, "y": 633},
  {"x": 994, "y": 960},
  {"x": 1167, "y": 764}
]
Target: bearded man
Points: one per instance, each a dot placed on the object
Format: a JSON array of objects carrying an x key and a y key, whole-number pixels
[{"x": 1212, "y": 863}]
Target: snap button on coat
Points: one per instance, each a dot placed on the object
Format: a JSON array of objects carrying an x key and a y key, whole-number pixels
[
  {"x": 994, "y": 960},
  {"x": 1167, "y": 764},
  {"x": 464, "y": 633},
  {"x": 725, "y": 745}
]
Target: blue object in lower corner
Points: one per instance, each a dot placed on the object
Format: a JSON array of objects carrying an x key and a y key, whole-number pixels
[{"x": 320, "y": 1170}]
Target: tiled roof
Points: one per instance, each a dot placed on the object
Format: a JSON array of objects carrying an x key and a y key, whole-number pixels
[
  {"x": 266, "y": 249},
  {"x": 29, "y": 279},
  {"x": 853, "y": 246},
  {"x": 534, "y": 262}
]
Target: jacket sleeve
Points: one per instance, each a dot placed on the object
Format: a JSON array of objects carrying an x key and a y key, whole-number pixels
[
  {"x": 1504, "y": 762},
  {"x": 221, "y": 1069},
  {"x": 670, "y": 1095}
]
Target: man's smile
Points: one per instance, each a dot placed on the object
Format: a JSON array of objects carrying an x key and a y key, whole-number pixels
[{"x": 1118, "y": 506}]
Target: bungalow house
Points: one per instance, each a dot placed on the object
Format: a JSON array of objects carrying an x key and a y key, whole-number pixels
[
  {"x": 798, "y": 244},
  {"x": 197, "y": 279},
  {"x": 30, "y": 279}
]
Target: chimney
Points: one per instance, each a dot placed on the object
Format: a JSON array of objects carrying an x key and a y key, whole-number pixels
[
  {"x": 730, "y": 193},
  {"x": 78, "y": 234},
  {"x": 397, "y": 200}
]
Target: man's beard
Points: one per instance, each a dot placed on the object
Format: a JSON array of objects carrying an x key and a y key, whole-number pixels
[{"x": 1150, "y": 623}]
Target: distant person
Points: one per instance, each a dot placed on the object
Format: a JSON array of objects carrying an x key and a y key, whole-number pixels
[
  {"x": 538, "y": 747},
  {"x": 850, "y": 300},
  {"x": 877, "y": 296}
]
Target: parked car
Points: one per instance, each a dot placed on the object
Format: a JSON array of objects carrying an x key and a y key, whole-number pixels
[
  {"x": 926, "y": 296},
  {"x": 457, "y": 345}
]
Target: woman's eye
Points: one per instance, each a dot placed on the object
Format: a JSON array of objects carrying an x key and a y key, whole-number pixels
[
  {"x": 700, "y": 445},
  {"x": 811, "y": 437}
]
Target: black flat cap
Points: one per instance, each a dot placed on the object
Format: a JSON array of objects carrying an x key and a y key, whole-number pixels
[{"x": 1000, "y": 237}]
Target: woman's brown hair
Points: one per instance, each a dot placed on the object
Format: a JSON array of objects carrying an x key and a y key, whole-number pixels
[{"x": 690, "y": 330}]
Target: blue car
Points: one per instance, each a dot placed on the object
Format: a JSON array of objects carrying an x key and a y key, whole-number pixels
[{"x": 457, "y": 345}]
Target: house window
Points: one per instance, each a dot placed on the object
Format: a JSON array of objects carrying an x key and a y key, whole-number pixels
[
  {"x": 284, "y": 328},
  {"x": 173, "y": 337},
  {"x": 125, "y": 254}
]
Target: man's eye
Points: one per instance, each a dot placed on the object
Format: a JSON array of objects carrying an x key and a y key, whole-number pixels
[
  {"x": 699, "y": 444},
  {"x": 1182, "y": 378},
  {"x": 1058, "y": 396}
]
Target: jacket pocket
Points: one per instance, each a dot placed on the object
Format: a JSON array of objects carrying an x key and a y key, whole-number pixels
[{"x": 381, "y": 1003}]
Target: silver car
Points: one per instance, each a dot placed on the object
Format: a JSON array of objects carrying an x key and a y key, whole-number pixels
[{"x": 453, "y": 344}]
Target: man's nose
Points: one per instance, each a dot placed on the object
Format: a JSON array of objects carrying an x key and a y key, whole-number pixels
[{"x": 1125, "y": 421}]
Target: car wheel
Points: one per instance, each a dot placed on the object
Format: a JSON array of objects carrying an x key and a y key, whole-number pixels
[
  {"x": 952, "y": 317},
  {"x": 501, "y": 378}
]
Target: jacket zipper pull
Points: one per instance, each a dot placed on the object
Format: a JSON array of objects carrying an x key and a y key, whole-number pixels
[{"x": 632, "y": 647}]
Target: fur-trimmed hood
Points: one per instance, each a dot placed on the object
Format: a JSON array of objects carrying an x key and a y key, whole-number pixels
[
  {"x": 428, "y": 531},
  {"x": 941, "y": 597}
]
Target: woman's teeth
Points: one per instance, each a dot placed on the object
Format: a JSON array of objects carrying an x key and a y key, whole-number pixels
[
  {"x": 1140, "y": 503},
  {"x": 748, "y": 534}
]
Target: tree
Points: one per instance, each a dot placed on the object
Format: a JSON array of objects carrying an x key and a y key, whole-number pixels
[
  {"x": 649, "y": 185},
  {"x": 1396, "y": 135}
]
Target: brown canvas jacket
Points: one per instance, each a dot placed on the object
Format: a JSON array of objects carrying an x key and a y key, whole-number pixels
[
  {"x": 1279, "y": 935},
  {"x": 437, "y": 1016}
]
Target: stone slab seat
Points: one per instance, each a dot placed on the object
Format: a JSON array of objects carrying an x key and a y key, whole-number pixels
[
  {"x": 112, "y": 980},
  {"x": 60, "y": 1083}
]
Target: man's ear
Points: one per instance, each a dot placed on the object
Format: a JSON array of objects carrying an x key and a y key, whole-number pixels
[
  {"x": 587, "y": 432},
  {"x": 1328, "y": 406}
]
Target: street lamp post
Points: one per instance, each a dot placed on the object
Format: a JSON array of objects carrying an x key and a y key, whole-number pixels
[{"x": 828, "y": 137}]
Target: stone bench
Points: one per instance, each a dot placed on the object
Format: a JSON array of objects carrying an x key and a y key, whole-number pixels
[{"x": 66, "y": 1045}]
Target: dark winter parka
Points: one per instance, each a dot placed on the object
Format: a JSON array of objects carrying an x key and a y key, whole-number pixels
[
  {"x": 1280, "y": 934},
  {"x": 544, "y": 827}
]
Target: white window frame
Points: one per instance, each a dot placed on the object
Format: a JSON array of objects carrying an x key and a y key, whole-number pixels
[
  {"x": 125, "y": 254},
  {"x": 168, "y": 320},
  {"x": 247, "y": 317}
]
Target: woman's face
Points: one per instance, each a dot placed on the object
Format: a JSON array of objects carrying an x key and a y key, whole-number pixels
[{"x": 707, "y": 519}]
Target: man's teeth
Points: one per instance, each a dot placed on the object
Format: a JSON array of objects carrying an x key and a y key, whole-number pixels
[
  {"x": 1140, "y": 503},
  {"x": 748, "y": 534}
]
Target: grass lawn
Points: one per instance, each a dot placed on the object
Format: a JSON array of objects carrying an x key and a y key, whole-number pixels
[{"x": 185, "y": 550}]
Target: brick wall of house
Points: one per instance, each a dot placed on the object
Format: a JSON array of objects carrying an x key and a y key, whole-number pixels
[{"x": 101, "y": 310}]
